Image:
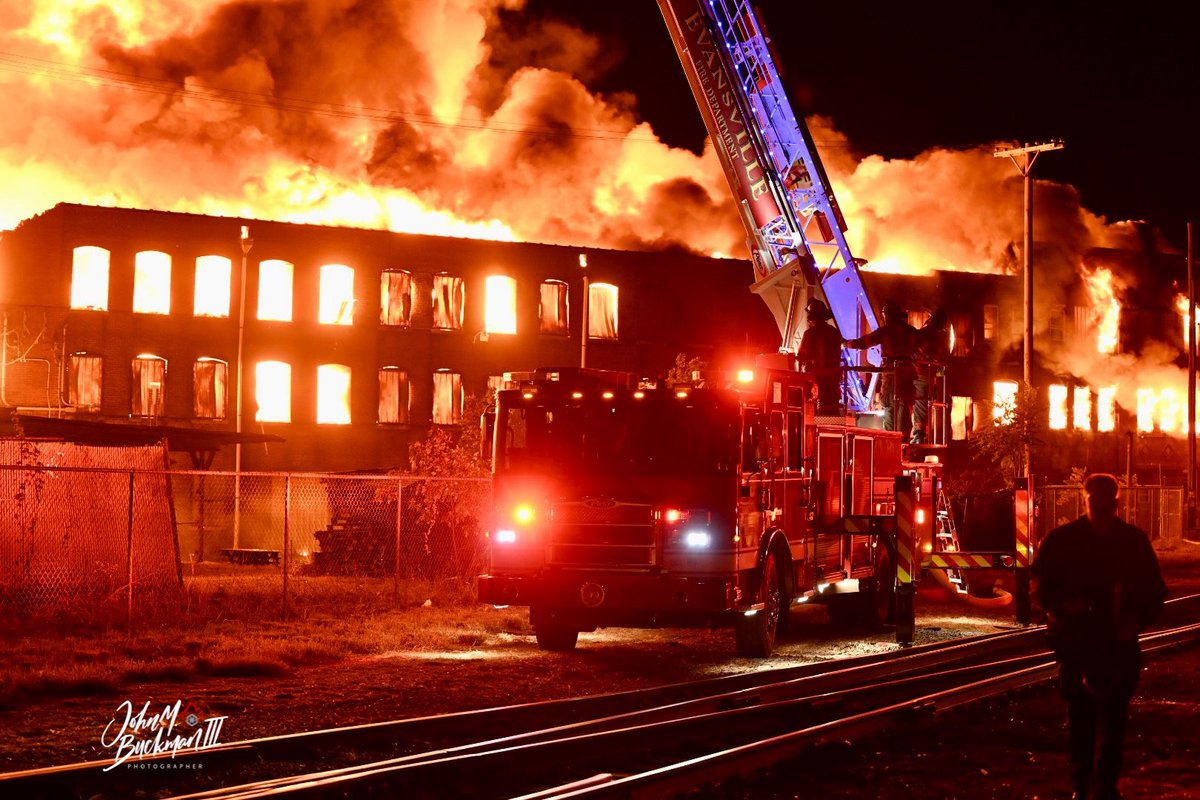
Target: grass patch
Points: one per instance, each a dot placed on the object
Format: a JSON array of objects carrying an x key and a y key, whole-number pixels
[{"x": 45, "y": 664}]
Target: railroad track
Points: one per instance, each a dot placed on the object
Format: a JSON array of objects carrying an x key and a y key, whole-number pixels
[{"x": 649, "y": 742}]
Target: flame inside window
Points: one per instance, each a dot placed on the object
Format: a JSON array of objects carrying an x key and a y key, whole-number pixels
[
  {"x": 152, "y": 282},
  {"x": 447, "y": 398},
  {"x": 500, "y": 304},
  {"x": 448, "y": 299},
  {"x": 149, "y": 386},
  {"x": 1058, "y": 407},
  {"x": 275, "y": 291},
  {"x": 960, "y": 416},
  {"x": 85, "y": 380},
  {"x": 602, "y": 311},
  {"x": 213, "y": 276},
  {"x": 1106, "y": 408},
  {"x": 1004, "y": 400},
  {"x": 396, "y": 290},
  {"x": 209, "y": 381},
  {"x": 1185, "y": 314},
  {"x": 553, "y": 308},
  {"x": 89, "y": 278},
  {"x": 273, "y": 391},
  {"x": 333, "y": 394},
  {"x": 1082, "y": 409},
  {"x": 337, "y": 295},
  {"x": 1106, "y": 308},
  {"x": 393, "y": 396}
]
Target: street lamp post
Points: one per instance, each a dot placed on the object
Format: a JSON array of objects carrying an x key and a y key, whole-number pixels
[
  {"x": 247, "y": 243},
  {"x": 587, "y": 302}
]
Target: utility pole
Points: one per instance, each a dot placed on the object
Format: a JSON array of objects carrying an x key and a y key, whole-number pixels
[
  {"x": 1191, "y": 406},
  {"x": 1029, "y": 154}
]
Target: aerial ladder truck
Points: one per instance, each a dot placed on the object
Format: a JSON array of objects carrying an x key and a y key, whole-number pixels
[{"x": 624, "y": 502}]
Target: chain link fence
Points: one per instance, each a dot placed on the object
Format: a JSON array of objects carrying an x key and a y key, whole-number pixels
[
  {"x": 93, "y": 544},
  {"x": 83, "y": 541},
  {"x": 1158, "y": 510}
]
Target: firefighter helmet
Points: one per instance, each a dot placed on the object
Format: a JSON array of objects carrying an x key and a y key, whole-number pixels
[
  {"x": 892, "y": 308},
  {"x": 817, "y": 310}
]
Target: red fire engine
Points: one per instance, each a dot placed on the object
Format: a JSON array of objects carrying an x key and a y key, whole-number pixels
[
  {"x": 623, "y": 504},
  {"x": 627, "y": 503}
]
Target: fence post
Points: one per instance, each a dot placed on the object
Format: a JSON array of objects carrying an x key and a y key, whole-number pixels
[
  {"x": 396, "y": 548},
  {"x": 287, "y": 538},
  {"x": 129, "y": 557}
]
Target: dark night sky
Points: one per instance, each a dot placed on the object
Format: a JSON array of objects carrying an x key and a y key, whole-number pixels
[{"x": 1115, "y": 82}]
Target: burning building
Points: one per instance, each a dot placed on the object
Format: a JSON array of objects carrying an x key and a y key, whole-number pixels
[{"x": 355, "y": 342}]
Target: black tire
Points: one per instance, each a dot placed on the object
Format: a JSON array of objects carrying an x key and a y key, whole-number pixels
[
  {"x": 755, "y": 635},
  {"x": 556, "y": 637}
]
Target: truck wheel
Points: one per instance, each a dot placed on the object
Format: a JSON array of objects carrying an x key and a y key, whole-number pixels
[
  {"x": 755, "y": 635},
  {"x": 553, "y": 635}
]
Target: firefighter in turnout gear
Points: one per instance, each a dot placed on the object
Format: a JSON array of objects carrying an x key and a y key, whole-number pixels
[
  {"x": 821, "y": 355},
  {"x": 898, "y": 341},
  {"x": 1099, "y": 583}
]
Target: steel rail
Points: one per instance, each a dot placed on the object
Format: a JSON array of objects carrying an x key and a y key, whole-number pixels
[
  {"x": 825, "y": 689},
  {"x": 477, "y": 773},
  {"x": 745, "y": 760},
  {"x": 457, "y": 727}
]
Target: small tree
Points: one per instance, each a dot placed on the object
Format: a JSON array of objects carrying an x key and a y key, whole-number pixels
[
  {"x": 686, "y": 369},
  {"x": 449, "y": 502},
  {"x": 998, "y": 448}
]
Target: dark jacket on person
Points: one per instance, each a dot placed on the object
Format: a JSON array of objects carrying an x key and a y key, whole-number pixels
[
  {"x": 1099, "y": 587},
  {"x": 820, "y": 347},
  {"x": 896, "y": 338}
]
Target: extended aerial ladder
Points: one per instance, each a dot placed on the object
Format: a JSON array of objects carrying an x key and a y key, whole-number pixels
[{"x": 796, "y": 230}]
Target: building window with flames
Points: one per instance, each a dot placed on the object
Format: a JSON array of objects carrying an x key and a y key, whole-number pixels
[
  {"x": 89, "y": 278},
  {"x": 275, "y": 290},
  {"x": 448, "y": 300},
  {"x": 500, "y": 304},
  {"x": 553, "y": 308},
  {"x": 337, "y": 295},
  {"x": 85, "y": 380},
  {"x": 447, "y": 398},
  {"x": 602, "y": 311},
  {"x": 213, "y": 280},
  {"x": 961, "y": 417},
  {"x": 394, "y": 396},
  {"x": 273, "y": 391},
  {"x": 333, "y": 394},
  {"x": 148, "y": 398},
  {"x": 209, "y": 382},
  {"x": 396, "y": 294},
  {"x": 152, "y": 282},
  {"x": 991, "y": 321}
]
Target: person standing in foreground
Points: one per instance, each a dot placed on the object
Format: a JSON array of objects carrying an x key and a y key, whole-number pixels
[{"x": 1099, "y": 583}]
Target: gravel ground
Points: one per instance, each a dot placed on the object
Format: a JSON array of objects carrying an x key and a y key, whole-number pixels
[{"x": 1010, "y": 748}]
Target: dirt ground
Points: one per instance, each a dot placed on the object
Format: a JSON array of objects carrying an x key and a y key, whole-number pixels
[{"x": 1009, "y": 748}]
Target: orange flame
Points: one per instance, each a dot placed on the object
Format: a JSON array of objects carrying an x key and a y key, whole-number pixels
[{"x": 1106, "y": 309}]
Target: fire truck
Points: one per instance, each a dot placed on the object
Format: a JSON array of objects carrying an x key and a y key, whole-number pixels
[{"x": 627, "y": 502}]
